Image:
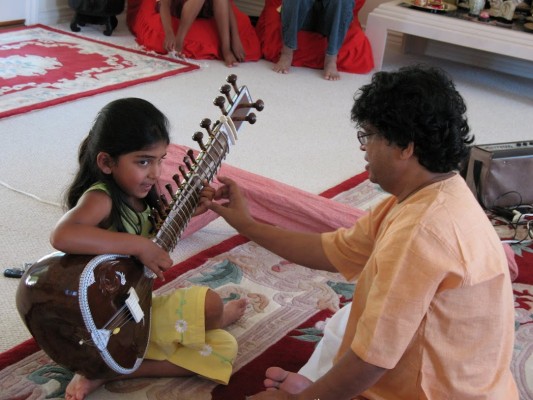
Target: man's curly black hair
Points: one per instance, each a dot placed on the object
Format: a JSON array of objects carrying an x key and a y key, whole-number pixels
[{"x": 418, "y": 104}]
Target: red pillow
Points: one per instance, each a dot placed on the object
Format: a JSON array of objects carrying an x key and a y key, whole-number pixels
[
  {"x": 354, "y": 56},
  {"x": 202, "y": 40}
]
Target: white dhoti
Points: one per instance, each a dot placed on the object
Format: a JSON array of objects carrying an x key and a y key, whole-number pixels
[{"x": 322, "y": 358}]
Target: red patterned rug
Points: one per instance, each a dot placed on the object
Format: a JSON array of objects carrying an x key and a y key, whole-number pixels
[
  {"x": 288, "y": 306},
  {"x": 41, "y": 67}
]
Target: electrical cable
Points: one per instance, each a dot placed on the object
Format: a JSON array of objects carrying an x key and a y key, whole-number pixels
[{"x": 7, "y": 186}]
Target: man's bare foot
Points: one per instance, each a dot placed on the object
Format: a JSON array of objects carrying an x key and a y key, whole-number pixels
[
  {"x": 80, "y": 387},
  {"x": 229, "y": 58},
  {"x": 290, "y": 382},
  {"x": 285, "y": 61},
  {"x": 233, "y": 310},
  {"x": 330, "y": 68}
]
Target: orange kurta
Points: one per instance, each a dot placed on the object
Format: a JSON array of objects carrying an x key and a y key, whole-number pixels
[{"x": 433, "y": 302}]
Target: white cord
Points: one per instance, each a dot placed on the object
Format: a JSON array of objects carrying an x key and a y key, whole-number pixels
[{"x": 29, "y": 195}]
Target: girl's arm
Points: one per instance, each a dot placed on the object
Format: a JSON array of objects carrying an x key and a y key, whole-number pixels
[{"x": 80, "y": 231}]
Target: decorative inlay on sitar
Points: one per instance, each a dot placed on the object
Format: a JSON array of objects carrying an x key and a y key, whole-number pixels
[{"x": 91, "y": 314}]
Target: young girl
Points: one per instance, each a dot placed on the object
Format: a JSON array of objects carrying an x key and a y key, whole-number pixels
[
  {"x": 187, "y": 11},
  {"x": 120, "y": 162}
]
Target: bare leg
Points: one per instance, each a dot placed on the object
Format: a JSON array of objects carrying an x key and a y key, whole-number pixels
[
  {"x": 236, "y": 44},
  {"x": 221, "y": 9},
  {"x": 285, "y": 60},
  {"x": 330, "y": 68},
  {"x": 80, "y": 387},
  {"x": 189, "y": 13},
  {"x": 290, "y": 382},
  {"x": 219, "y": 315}
]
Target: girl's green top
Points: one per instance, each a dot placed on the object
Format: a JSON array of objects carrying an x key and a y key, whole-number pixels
[{"x": 136, "y": 223}]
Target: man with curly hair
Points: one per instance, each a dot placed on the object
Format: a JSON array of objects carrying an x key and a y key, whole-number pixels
[{"x": 432, "y": 315}]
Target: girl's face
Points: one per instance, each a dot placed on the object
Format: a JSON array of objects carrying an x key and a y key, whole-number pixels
[{"x": 136, "y": 172}]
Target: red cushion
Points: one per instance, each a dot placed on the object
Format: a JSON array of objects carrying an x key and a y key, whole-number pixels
[
  {"x": 354, "y": 56},
  {"x": 202, "y": 40}
]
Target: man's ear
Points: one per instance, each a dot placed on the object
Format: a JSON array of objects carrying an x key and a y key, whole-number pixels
[
  {"x": 408, "y": 151},
  {"x": 104, "y": 162}
]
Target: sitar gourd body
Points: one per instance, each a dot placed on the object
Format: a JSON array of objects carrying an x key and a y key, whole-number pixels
[{"x": 71, "y": 327}]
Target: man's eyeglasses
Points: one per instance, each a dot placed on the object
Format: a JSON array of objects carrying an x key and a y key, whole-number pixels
[{"x": 363, "y": 137}]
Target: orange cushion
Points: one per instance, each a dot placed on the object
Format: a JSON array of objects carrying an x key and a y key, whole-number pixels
[
  {"x": 354, "y": 56},
  {"x": 202, "y": 40}
]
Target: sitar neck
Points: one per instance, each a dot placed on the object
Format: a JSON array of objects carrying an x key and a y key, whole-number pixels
[
  {"x": 221, "y": 135},
  {"x": 186, "y": 199}
]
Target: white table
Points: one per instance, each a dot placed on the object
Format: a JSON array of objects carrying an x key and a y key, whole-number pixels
[{"x": 423, "y": 25}]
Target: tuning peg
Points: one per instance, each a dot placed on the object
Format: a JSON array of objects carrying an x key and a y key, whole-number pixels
[
  {"x": 187, "y": 162},
  {"x": 177, "y": 179},
  {"x": 155, "y": 218},
  {"x": 190, "y": 153},
  {"x": 225, "y": 90},
  {"x": 168, "y": 186},
  {"x": 251, "y": 118},
  {"x": 183, "y": 172},
  {"x": 164, "y": 200},
  {"x": 206, "y": 124},
  {"x": 259, "y": 105},
  {"x": 233, "y": 80},
  {"x": 160, "y": 209},
  {"x": 197, "y": 137},
  {"x": 219, "y": 102}
]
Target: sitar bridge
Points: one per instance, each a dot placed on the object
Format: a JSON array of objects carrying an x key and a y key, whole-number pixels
[{"x": 132, "y": 302}]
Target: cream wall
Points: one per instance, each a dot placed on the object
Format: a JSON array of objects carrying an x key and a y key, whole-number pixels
[
  {"x": 12, "y": 10},
  {"x": 47, "y": 11}
]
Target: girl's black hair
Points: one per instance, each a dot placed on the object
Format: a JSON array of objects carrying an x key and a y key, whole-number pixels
[{"x": 122, "y": 126}]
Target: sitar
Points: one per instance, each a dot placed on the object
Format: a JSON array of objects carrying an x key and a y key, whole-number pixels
[{"x": 91, "y": 314}]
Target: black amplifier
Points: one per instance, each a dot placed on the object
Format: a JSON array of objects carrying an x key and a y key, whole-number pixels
[{"x": 501, "y": 174}]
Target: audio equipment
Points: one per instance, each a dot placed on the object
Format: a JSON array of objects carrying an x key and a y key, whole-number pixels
[{"x": 501, "y": 174}]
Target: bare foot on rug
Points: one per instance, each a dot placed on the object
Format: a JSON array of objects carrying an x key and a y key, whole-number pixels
[
  {"x": 330, "y": 68},
  {"x": 233, "y": 310},
  {"x": 80, "y": 387},
  {"x": 290, "y": 382},
  {"x": 285, "y": 61}
]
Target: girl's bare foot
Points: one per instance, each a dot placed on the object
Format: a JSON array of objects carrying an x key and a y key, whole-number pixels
[
  {"x": 330, "y": 68},
  {"x": 80, "y": 387},
  {"x": 233, "y": 310},
  {"x": 285, "y": 61},
  {"x": 290, "y": 382}
]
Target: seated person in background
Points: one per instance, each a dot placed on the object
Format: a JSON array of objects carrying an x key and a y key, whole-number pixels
[
  {"x": 187, "y": 11},
  {"x": 331, "y": 18},
  {"x": 432, "y": 315}
]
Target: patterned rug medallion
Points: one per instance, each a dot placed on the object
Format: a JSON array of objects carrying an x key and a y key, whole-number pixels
[{"x": 41, "y": 67}]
